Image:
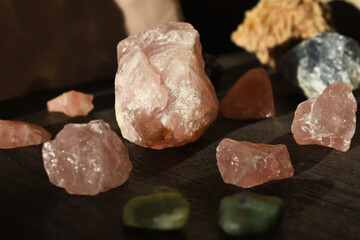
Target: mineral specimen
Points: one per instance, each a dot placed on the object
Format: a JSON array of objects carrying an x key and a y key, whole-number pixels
[
  {"x": 72, "y": 103},
  {"x": 247, "y": 164},
  {"x": 249, "y": 213},
  {"x": 327, "y": 119},
  {"x": 163, "y": 96},
  {"x": 316, "y": 63},
  {"x": 86, "y": 158},
  {"x": 15, "y": 134},
  {"x": 272, "y": 25},
  {"x": 162, "y": 208},
  {"x": 250, "y": 97}
]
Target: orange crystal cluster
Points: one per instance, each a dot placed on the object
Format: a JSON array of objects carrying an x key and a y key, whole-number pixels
[{"x": 273, "y": 24}]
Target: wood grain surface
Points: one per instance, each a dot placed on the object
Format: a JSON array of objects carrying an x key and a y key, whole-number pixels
[{"x": 322, "y": 198}]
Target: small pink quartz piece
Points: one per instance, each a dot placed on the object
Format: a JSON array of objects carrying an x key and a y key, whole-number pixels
[
  {"x": 86, "y": 158},
  {"x": 246, "y": 164},
  {"x": 163, "y": 97},
  {"x": 250, "y": 97},
  {"x": 72, "y": 103},
  {"x": 15, "y": 134},
  {"x": 327, "y": 119}
]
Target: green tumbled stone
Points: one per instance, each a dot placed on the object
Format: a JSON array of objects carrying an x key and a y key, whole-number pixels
[
  {"x": 249, "y": 213},
  {"x": 161, "y": 208}
]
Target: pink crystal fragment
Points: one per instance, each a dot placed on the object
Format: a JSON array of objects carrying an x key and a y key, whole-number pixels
[
  {"x": 163, "y": 95},
  {"x": 72, "y": 103},
  {"x": 15, "y": 134},
  {"x": 327, "y": 119},
  {"x": 246, "y": 164},
  {"x": 86, "y": 158},
  {"x": 250, "y": 97}
]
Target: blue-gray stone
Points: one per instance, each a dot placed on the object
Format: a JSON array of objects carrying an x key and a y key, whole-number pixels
[{"x": 317, "y": 63}]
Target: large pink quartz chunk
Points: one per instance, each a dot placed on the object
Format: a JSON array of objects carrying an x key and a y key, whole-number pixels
[
  {"x": 86, "y": 158},
  {"x": 15, "y": 134},
  {"x": 327, "y": 119},
  {"x": 250, "y": 97},
  {"x": 163, "y": 96},
  {"x": 72, "y": 103},
  {"x": 247, "y": 164}
]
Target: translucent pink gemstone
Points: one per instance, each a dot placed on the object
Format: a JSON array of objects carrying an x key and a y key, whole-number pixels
[
  {"x": 15, "y": 134},
  {"x": 327, "y": 119},
  {"x": 250, "y": 97},
  {"x": 72, "y": 103},
  {"x": 247, "y": 164},
  {"x": 86, "y": 158},
  {"x": 163, "y": 95}
]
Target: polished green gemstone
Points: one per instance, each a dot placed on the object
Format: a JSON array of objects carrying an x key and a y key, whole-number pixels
[
  {"x": 249, "y": 213},
  {"x": 161, "y": 208}
]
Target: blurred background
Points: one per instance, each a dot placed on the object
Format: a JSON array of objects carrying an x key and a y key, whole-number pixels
[{"x": 63, "y": 43}]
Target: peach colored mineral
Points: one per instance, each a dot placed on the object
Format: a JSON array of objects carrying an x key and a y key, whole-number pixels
[
  {"x": 247, "y": 164},
  {"x": 328, "y": 119},
  {"x": 15, "y": 134},
  {"x": 272, "y": 25},
  {"x": 72, "y": 103},
  {"x": 250, "y": 97},
  {"x": 163, "y": 97},
  {"x": 86, "y": 158}
]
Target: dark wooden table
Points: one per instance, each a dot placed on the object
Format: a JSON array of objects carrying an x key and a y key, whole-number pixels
[{"x": 322, "y": 198}]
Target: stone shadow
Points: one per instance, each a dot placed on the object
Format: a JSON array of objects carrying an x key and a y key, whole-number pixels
[
  {"x": 135, "y": 233},
  {"x": 154, "y": 162},
  {"x": 303, "y": 157},
  {"x": 286, "y": 95},
  {"x": 356, "y": 138},
  {"x": 297, "y": 193},
  {"x": 60, "y": 120},
  {"x": 205, "y": 193}
]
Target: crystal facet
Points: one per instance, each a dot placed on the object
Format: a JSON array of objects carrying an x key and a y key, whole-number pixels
[
  {"x": 250, "y": 97},
  {"x": 247, "y": 164},
  {"x": 72, "y": 103},
  {"x": 15, "y": 134},
  {"x": 161, "y": 208},
  {"x": 317, "y": 63},
  {"x": 163, "y": 96},
  {"x": 327, "y": 119},
  {"x": 86, "y": 158},
  {"x": 249, "y": 213}
]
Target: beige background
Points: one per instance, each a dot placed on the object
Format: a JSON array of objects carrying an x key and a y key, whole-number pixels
[{"x": 59, "y": 43}]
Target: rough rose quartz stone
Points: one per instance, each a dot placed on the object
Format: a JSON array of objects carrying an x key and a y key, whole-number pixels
[
  {"x": 15, "y": 134},
  {"x": 86, "y": 158},
  {"x": 247, "y": 164},
  {"x": 250, "y": 97},
  {"x": 72, "y": 103},
  {"x": 163, "y": 96},
  {"x": 327, "y": 119}
]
